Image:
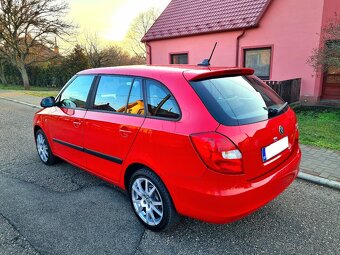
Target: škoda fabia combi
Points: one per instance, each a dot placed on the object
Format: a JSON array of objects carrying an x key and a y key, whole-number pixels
[{"x": 214, "y": 144}]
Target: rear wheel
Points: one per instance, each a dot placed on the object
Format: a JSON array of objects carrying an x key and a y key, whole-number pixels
[
  {"x": 151, "y": 201},
  {"x": 44, "y": 149}
]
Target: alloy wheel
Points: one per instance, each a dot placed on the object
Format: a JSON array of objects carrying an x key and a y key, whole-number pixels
[
  {"x": 147, "y": 201},
  {"x": 42, "y": 147}
]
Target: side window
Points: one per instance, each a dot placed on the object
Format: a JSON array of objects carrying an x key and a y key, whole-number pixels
[
  {"x": 160, "y": 101},
  {"x": 112, "y": 93},
  {"x": 75, "y": 95},
  {"x": 136, "y": 103}
]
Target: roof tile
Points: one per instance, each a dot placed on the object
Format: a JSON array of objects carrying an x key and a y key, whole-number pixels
[{"x": 191, "y": 17}]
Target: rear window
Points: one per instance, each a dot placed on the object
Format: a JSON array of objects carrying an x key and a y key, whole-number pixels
[{"x": 239, "y": 100}]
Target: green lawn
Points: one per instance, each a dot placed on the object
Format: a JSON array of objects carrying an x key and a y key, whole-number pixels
[
  {"x": 32, "y": 88},
  {"x": 34, "y": 91},
  {"x": 319, "y": 126},
  {"x": 41, "y": 93}
]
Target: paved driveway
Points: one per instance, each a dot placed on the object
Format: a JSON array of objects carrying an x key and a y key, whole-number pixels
[{"x": 63, "y": 210}]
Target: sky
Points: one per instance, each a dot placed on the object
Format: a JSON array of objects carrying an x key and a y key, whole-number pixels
[{"x": 109, "y": 19}]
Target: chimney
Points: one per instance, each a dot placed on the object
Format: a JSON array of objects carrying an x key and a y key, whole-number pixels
[{"x": 56, "y": 47}]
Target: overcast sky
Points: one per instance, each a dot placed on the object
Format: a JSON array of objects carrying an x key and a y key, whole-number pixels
[{"x": 110, "y": 19}]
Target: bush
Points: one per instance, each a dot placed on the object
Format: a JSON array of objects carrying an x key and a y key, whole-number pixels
[
  {"x": 50, "y": 76},
  {"x": 41, "y": 76},
  {"x": 12, "y": 74},
  {"x": 56, "y": 72}
]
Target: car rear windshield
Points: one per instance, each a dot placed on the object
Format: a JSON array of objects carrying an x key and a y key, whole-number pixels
[{"x": 239, "y": 100}]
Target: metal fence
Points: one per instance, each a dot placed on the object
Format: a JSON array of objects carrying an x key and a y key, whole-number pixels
[{"x": 289, "y": 90}]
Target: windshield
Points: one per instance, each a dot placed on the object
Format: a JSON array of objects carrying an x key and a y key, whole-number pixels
[{"x": 239, "y": 100}]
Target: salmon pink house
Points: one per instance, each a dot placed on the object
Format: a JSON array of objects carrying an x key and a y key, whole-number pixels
[{"x": 274, "y": 37}]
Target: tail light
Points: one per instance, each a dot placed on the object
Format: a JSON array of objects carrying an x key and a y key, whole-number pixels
[{"x": 218, "y": 152}]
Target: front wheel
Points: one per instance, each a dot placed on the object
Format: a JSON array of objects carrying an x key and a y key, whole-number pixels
[
  {"x": 151, "y": 201},
  {"x": 44, "y": 149}
]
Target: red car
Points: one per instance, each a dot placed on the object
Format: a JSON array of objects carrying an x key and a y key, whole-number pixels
[{"x": 214, "y": 144}]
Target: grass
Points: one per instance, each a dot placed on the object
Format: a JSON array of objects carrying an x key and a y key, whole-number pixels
[
  {"x": 319, "y": 127},
  {"x": 42, "y": 93},
  {"x": 34, "y": 90}
]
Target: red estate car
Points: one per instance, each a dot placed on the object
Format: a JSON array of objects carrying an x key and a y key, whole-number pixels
[{"x": 210, "y": 143}]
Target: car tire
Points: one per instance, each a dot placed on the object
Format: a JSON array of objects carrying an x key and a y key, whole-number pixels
[
  {"x": 151, "y": 201},
  {"x": 44, "y": 149}
]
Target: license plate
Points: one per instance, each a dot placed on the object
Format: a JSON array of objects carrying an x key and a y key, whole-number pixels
[{"x": 274, "y": 149}]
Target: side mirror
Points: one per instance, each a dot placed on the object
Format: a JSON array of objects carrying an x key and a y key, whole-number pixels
[{"x": 47, "y": 102}]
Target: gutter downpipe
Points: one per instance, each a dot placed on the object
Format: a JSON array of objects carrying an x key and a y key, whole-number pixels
[
  {"x": 238, "y": 46},
  {"x": 150, "y": 53}
]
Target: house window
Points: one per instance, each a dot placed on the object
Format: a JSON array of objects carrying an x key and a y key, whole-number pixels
[
  {"x": 259, "y": 60},
  {"x": 181, "y": 58}
]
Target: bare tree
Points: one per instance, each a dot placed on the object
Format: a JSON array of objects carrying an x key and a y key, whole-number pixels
[
  {"x": 328, "y": 55},
  {"x": 93, "y": 50},
  {"x": 27, "y": 28},
  {"x": 138, "y": 29},
  {"x": 116, "y": 56}
]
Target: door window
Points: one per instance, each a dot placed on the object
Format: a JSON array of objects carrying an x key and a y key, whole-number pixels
[
  {"x": 112, "y": 93},
  {"x": 75, "y": 94},
  {"x": 160, "y": 101},
  {"x": 136, "y": 103}
]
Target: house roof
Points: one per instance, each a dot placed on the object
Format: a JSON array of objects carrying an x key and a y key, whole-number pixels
[{"x": 193, "y": 17}]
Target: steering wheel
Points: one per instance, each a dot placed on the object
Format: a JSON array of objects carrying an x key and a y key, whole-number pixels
[{"x": 161, "y": 103}]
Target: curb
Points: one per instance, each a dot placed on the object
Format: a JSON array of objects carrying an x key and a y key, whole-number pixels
[
  {"x": 20, "y": 102},
  {"x": 319, "y": 180}
]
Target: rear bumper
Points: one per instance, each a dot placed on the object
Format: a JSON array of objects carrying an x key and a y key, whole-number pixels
[{"x": 219, "y": 198}]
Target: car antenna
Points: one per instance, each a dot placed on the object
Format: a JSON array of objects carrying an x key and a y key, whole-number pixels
[{"x": 206, "y": 62}]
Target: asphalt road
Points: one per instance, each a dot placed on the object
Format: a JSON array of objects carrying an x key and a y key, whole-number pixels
[{"x": 64, "y": 210}]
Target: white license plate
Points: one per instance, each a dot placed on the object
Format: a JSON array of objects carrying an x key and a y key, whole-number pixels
[{"x": 274, "y": 149}]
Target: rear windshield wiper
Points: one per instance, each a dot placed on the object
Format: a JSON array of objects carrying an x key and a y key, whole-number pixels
[{"x": 273, "y": 112}]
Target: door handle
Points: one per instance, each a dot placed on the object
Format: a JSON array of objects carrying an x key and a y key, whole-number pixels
[
  {"x": 76, "y": 123},
  {"x": 125, "y": 132}
]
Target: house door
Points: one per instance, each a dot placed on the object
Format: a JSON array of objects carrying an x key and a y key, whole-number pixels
[{"x": 331, "y": 84}]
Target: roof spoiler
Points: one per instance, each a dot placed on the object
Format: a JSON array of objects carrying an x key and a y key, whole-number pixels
[{"x": 218, "y": 73}]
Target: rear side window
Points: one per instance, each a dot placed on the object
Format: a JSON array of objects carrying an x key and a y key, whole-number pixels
[
  {"x": 239, "y": 100},
  {"x": 75, "y": 94},
  {"x": 160, "y": 101},
  {"x": 112, "y": 93}
]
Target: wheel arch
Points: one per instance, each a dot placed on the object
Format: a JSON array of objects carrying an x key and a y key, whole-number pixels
[
  {"x": 36, "y": 128},
  {"x": 132, "y": 168}
]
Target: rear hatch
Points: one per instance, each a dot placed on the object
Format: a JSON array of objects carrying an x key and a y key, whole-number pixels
[{"x": 253, "y": 117}]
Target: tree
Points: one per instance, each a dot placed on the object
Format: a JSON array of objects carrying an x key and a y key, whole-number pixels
[
  {"x": 138, "y": 29},
  {"x": 76, "y": 61},
  {"x": 328, "y": 55},
  {"x": 93, "y": 51},
  {"x": 26, "y": 26},
  {"x": 116, "y": 56},
  {"x": 3, "y": 78}
]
